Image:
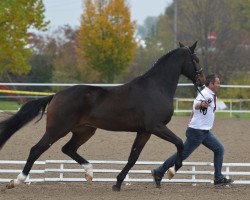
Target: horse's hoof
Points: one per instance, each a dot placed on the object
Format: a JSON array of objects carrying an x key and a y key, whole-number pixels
[
  {"x": 170, "y": 173},
  {"x": 88, "y": 177},
  {"x": 10, "y": 185},
  {"x": 116, "y": 188}
]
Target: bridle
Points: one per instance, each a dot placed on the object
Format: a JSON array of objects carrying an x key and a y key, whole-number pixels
[
  {"x": 197, "y": 71},
  {"x": 196, "y": 81}
]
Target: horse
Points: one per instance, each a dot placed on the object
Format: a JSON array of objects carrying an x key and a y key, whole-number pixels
[{"x": 143, "y": 105}]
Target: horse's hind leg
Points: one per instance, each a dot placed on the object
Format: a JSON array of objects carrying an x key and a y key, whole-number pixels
[
  {"x": 35, "y": 152},
  {"x": 80, "y": 135},
  {"x": 140, "y": 141},
  {"x": 166, "y": 134}
]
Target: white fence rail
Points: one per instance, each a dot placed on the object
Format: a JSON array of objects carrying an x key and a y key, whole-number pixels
[
  {"x": 102, "y": 84},
  {"x": 106, "y": 171},
  {"x": 237, "y": 108}
]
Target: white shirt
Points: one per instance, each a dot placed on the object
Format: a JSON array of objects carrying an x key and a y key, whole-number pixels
[{"x": 200, "y": 121}]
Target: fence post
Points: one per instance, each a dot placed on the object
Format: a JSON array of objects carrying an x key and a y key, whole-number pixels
[
  {"x": 61, "y": 173},
  {"x": 231, "y": 107},
  {"x": 227, "y": 171},
  {"x": 127, "y": 180},
  {"x": 177, "y": 104},
  {"x": 240, "y": 107},
  {"x": 193, "y": 175}
]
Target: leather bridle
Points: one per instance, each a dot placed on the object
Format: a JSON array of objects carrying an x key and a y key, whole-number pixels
[
  {"x": 197, "y": 71},
  {"x": 196, "y": 81}
]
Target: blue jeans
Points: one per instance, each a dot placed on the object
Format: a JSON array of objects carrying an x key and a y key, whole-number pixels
[{"x": 196, "y": 137}]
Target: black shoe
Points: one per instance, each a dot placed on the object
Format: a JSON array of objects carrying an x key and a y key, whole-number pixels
[
  {"x": 223, "y": 181},
  {"x": 156, "y": 178}
]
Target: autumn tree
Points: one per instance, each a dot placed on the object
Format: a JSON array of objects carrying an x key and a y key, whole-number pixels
[
  {"x": 106, "y": 37},
  {"x": 197, "y": 19},
  {"x": 16, "y": 17}
]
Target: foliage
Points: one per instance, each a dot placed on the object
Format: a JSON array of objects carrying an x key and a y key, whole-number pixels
[
  {"x": 106, "y": 37},
  {"x": 41, "y": 72},
  {"x": 53, "y": 60},
  {"x": 65, "y": 66},
  {"x": 16, "y": 17},
  {"x": 196, "y": 19},
  {"x": 56, "y": 56},
  {"x": 226, "y": 55},
  {"x": 242, "y": 16},
  {"x": 144, "y": 60},
  {"x": 237, "y": 93},
  {"x": 106, "y": 46},
  {"x": 147, "y": 54}
]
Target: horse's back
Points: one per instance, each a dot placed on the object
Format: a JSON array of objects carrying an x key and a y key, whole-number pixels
[{"x": 129, "y": 107}]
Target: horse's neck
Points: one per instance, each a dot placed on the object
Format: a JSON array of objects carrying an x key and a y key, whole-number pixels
[{"x": 166, "y": 77}]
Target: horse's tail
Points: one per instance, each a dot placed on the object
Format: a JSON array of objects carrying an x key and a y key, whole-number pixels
[{"x": 26, "y": 113}]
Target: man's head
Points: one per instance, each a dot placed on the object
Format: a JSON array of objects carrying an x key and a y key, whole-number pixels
[{"x": 213, "y": 82}]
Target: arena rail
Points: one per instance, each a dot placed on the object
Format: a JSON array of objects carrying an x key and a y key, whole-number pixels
[
  {"x": 236, "y": 110},
  {"x": 106, "y": 171},
  {"x": 102, "y": 84}
]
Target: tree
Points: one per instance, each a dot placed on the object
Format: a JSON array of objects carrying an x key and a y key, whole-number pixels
[
  {"x": 240, "y": 78},
  {"x": 143, "y": 61},
  {"x": 16, "y": 17},
  {"x": 196, "y": 19},
  {"x": 65, "y": 66},
  {"x": 106, "y": 37},
  {"x": 157, "y": 43},
  {"x": 54, "y": 57}
]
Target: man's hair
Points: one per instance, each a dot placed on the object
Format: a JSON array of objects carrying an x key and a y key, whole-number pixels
[{"x": 211, "y": 79}]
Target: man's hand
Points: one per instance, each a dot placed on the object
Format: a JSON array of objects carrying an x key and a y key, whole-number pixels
[
  {"x": 201, "y": 105},
  {"x": 204, "y": 104}
]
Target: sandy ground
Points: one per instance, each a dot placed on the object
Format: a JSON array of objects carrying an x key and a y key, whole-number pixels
[{"x": 234, "y": 134}]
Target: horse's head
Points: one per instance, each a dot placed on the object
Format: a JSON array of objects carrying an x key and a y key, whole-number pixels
[{"x": 192, "y": 68}]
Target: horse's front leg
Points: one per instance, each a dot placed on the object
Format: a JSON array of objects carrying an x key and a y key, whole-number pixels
[
  {"x": 164, "y": 133},
  {"x": 140, "y": 141}
]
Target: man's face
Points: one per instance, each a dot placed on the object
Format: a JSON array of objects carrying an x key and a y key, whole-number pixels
[{"x": 215, "y": 86}]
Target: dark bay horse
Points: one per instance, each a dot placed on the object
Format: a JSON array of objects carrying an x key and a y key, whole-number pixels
[{"x": 144, "y": 105}]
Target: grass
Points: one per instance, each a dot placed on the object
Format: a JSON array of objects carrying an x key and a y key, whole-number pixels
[
  {"x": 233, "y": 115},
  {"x": 9, "y": 105}
]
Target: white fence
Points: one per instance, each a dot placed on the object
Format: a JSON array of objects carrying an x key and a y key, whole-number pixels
[
  {"x": 237, "y": 108},
  {"x": 102, "y": 84},
  {"x": 106, "y": 171},
  {"x": 231, "y": 109}
]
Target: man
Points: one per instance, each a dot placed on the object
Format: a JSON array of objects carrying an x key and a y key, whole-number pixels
[{"x": 198, "y": 132}]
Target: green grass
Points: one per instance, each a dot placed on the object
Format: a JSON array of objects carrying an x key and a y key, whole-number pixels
[
  {"x": 9, "y": 105},
  {"x": 233, "y": 115}
]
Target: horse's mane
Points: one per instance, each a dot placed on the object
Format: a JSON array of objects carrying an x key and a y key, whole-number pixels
[
  {"x": 164, "y": 57},
  {"x": 159, "y": 62}
]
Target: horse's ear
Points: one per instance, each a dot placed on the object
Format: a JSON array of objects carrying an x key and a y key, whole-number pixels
[
  {"x": 192, "y": 48},
  {"x": 181, "y": 45}
]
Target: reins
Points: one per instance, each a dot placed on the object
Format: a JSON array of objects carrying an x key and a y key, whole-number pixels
[{"x": 202, "y": 110}]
